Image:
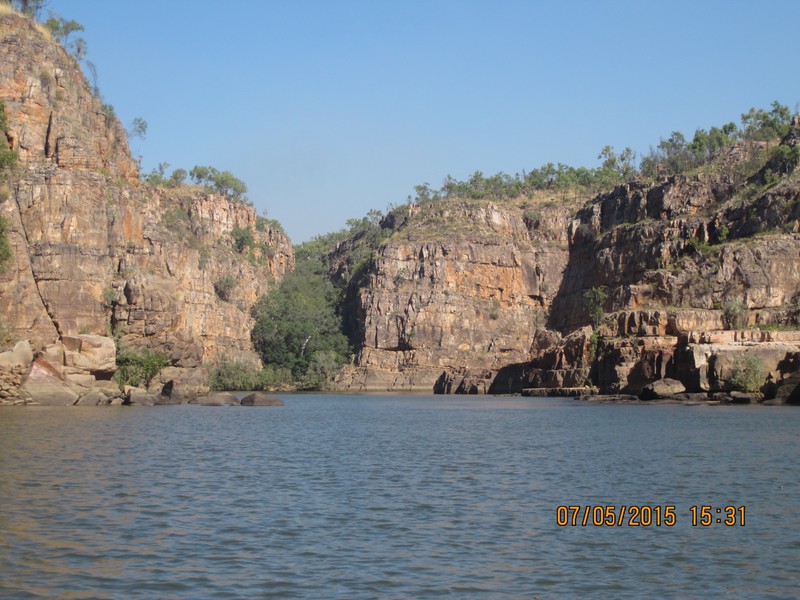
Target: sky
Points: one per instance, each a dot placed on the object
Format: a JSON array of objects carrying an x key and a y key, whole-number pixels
[{"x": 329, "y": 108}]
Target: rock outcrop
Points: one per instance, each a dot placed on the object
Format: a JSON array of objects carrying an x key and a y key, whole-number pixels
[
  {"x": 691, "y": 272},
  {"x": 96, "y": 251},
  {"x": 692, "y": 278},
  {"x": 457, "y": 290}
]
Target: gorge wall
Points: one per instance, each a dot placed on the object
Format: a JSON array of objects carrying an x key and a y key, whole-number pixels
[
  {"x": 694, "y": 271},
  {"x": 96, "y": 251},
  {"x": 689, "y": 273}
]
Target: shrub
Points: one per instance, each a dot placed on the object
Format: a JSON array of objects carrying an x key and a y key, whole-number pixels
[
  {"x": 175, "y": 219},
  {"x": 234, "y": 376},
  {"x": 264, "y": 224},
  {"x": 735, "y": 313},
  {"x": 243, "y": 238},
  {"x": 784, "y": 159},
  {"x": 494, "y": 312},
  {"x": 595, "y": 341},
  {"x": 747, "y": 375},
  {"x": 224, "y": 287},
  {"x": 5, "y": 247},
  {"x": 8, "y": 158},
  {"x": 139, "y": 369},
  {"x": 110, "y": 296}
]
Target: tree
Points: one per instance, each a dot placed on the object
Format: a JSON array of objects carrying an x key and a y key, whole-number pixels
[
  {"x": 78, "y": 49},
  {"x": 177, "y": 179},
  {"x": 594, "y": 301},
  {"x": 229, "y": 186},
  {"x": 61, "y": 29},
  {"x": 763, "y": 125},
  {"x": 138, "y": 128},
  {"x": 158, "y": 175},
  {"x": 297, "y": 324},
  {"x": 200, "y": 174},
  {"x": 222, "y": 182},
  {"x": 90, "y": 66},
  {"x": 31, "y": 8}
]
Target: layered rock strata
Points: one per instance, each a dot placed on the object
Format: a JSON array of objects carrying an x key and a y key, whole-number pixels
[{"x": 97, "y": 252}]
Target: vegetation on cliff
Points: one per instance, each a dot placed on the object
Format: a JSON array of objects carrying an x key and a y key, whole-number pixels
[
  {"x": 672, "y": 156},
  {"x": 8, "y": 159},
  {"x": 736, "y": 161}
]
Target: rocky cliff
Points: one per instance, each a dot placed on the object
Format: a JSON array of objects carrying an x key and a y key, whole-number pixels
[
  {"x": 689, "y": 274},
  {"x": 95, "y": 251},
  {"x": 457, "y": 291}
]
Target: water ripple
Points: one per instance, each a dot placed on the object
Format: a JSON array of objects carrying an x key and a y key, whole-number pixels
[{"x": 371, "y": 497}]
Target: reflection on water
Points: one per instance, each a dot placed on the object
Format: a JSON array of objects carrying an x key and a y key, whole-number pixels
[{"x": 401, "y": 497}]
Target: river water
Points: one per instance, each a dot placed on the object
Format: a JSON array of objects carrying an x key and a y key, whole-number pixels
[{"x": 397, "y": 497}]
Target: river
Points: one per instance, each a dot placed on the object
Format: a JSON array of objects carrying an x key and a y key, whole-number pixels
[{"x": 400, "y": 497}]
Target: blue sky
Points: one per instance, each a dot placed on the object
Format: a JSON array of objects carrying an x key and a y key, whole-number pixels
[{"x": 327, "y": 109}]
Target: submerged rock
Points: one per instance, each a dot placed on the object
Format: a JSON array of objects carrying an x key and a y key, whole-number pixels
[
  {"x": 216, "y": 399},
  {"x": 259, "y": 399}
]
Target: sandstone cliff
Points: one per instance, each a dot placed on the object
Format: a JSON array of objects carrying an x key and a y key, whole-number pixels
[
  {"x": 98, "y": 252},
  {"x": 459, "y": 288},
  {"x": 695, "y": 270}
]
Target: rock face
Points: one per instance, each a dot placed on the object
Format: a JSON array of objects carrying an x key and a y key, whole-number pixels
[
  {"x": 95, "y": 250},
  {"x": 694, "y": 278},
  {"x": 458, "y": 289},
  {"x": 696, "y": 272}
]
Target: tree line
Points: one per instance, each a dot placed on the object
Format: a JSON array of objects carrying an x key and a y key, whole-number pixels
[{"x": 672, "y": 156}]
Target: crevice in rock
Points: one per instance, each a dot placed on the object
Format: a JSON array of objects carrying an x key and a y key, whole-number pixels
[
  {"x": 24, "y": 232},
  {"x": 48, "y": 148}
]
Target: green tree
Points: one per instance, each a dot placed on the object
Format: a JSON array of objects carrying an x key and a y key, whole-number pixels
[
  {"x": 297, "y": 325},
  {"x": 222, "y": 182},
  {"x": 158, "y": 175},
  {"x": 177, "y": 179},
  {"x": 138, "y": 128},
  {"x": 61, "y": 29},
  {"x": 243, "y": 238},
  {"x": 765, "y": 125},
  {"x": 784, "y": 159},
  {"x": 594, "y": 302}
]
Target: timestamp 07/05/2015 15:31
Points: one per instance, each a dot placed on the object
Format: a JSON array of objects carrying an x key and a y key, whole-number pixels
[{"x": 646, "y": 515}]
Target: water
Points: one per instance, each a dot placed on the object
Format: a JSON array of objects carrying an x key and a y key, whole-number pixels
[{"x": 394, "y": 497}]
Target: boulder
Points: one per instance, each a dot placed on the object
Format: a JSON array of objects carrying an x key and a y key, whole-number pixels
[
  {"x": 746, "y": 397},
  {"x": 662, "y": 388},
  {"x": 258, "y": 399},
  {"x": 46, "y": 386},
  {"x": 94, "y": 354},
  {"x": 21, "y": 355},
  {"x": 216, "y": 399},
  {"x": 180, "y": 384},
  {"x": 50, "y": 393},
  {"x": 170, "y": 394},
  {"x": 93, "y": 398},
  {"x": 138, "y": 396}
]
